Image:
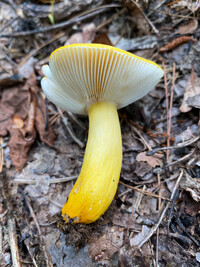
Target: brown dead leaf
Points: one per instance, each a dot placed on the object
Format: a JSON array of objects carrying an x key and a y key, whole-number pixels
[
  {"x": 103, "y": 248},
  {"x": 192, "y": 89},
  {"x": 86, "y": 36},
  {"x": 102, "y": 38},
  {"x": 191, "y": 207},
  {"x": 153, "y": 161},
  {"x": 18, "y": 122},
  {"x": 22, "y": 112},
  {"x": 46, "y": 135},
  {"x": 19, "y": 147},
  {"x": 190, "y": 27},
  {"x": 194, "y": 194},
  {"x": 14, "y": 101},
  {"x": 125, "y": 220}
]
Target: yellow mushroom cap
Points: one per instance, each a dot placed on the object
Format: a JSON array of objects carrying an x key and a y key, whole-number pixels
[{"x": 79, "y": 75}]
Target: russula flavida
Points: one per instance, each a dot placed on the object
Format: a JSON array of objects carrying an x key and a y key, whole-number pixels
[{"x": 97, "y": 80}]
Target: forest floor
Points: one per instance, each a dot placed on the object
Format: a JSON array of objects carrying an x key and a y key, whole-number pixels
[{"x": 154, "y": 219}]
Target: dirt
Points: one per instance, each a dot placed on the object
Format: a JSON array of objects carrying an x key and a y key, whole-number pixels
[{"x": 154, "y": 219}]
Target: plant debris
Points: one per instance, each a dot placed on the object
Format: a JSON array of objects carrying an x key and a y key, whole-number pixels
[{"x": 154, "y": 219}]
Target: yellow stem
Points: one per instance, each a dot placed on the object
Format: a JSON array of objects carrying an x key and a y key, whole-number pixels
[{"x": 97, "y": 183}]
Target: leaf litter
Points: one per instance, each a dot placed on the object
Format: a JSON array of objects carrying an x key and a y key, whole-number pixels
[{"x": 45, "y": 155}]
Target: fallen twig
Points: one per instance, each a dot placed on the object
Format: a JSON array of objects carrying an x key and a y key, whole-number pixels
[
  {"x": 51, "y": 181},
  {"x": 1, "y": 241},
  {"x": 144, "y": 192},
  {"x": 170, "y": 111},
  {"x": 154, "y": 228},
  {"x": 145, "y": 17},
  {"x": 159, "y": 192},
  {"x": 13, "y": 243},
  {"x": 135, "y": 208},
  {"x": 1, "y": 153},
  {"x": 79, "y": 123},
  {"x": 180, "y": 160},
  {"x": 83, "y": 16},
  {"x": 172, "y": 208},
  {"x": 180, "y": 145},
  {"x": 35, "y": 51},
  {"x": 167, "y": 105},
  {"x": 46, "y": 255},
  {"x": 70, "y": 131},
  {"x": 108, "y": 21},
  {"x": 142, "y": 139},
  {"x": 157, "y": 248}
]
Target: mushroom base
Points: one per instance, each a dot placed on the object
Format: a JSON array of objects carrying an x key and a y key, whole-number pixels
[{"x": 97, "y": 183}]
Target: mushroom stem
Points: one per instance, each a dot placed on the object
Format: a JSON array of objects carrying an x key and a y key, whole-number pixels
[{"x": 97, "y": 183}]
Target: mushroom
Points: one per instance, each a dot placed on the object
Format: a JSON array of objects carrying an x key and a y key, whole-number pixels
[{"x": 97, "y": 80}]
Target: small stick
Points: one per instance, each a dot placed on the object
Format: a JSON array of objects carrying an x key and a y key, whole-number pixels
[
  {"x": 70, "y": 130},
  {"x": 145, "y": 17},
  {"x": 1, "y": 241},
  {"x": 35, "y": 51},
  {"x": 135, "y": 208},
  {"x": 154, "y": 228},
  {"x": 142, "y": 138},
  {"x": 124, "y": 193},
  {"x": 54, "y": 118},
  {"x": 9, "y": 23},
  {"x": 179, "y": 145},
  {"x": 51, "y": 181},
  {"x": 180, "y": 160},
  {"x": 144, "y": 192},
  {"x": 167, "y": 104},
  {"x": 1, "y": 154},
  {"x": 81, "y": 17},
  {"x": 160, "y": 3},
  {"x": 47, "y": 115},
  {"x": 13, "y": 243},
  {"x": 108, "y": 21},
  {"x": 159, "y": 192},
  {"x": 172, "y": 208},
  {"x": 46, "y": 255},
  {"x": 170, "y": 14},
  {"x": 79, "y": 123},
  {"x": 157, "y": 245},
  {"x": 170, "y": 111}
]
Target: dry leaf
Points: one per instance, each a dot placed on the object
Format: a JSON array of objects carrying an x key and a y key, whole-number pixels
[
  {"x": 194, "y": 101},
  {"x": 102, "y": 38},
  {"x": 19, "y": 147},
  {"x": 86, "y": 36},
  {"x": 194, "y": 194},
  {"x": 22, "y": 112},
  {"x": 19, "y": 122},
  {"x": 153, "y": 161},
  {"x": 46, "y": 135},
  {"x": 104, "y": 247},
  {"x": 189, "y": 182},
  {"x": 134, "y": 241},
  {"x": 192, "y": 89},
  {"x": 190, "y": 27}
]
